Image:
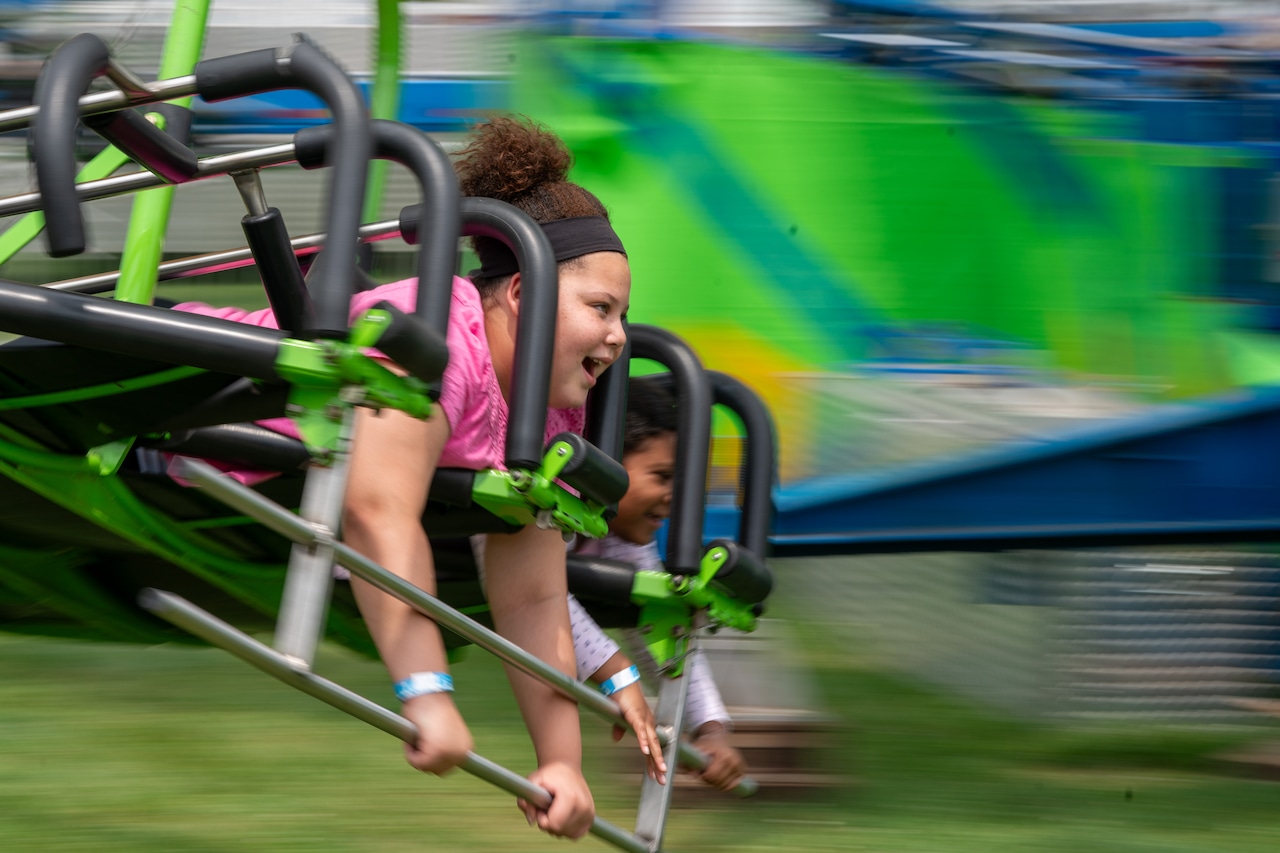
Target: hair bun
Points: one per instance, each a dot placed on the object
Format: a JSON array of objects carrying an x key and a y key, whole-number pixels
[{"x": 509, "y": 157}]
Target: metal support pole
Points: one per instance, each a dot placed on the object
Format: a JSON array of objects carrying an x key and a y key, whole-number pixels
[
  {"x": 655, "y": 797},
  {"x": 249, "y": 185},
  {"x": 197, "y": 265},
  {"x": 214, "y": 631},
  {"x": 209, "y": 167},
  {"x": 105, "y": 102},
  {"x": 309, "y": 581}
]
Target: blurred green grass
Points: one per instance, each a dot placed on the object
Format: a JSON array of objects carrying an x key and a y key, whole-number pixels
[{"x": 115, "y": 748}]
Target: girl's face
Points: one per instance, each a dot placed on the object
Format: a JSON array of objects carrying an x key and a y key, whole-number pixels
[
  {"x": 647, "y": 502},
  {"x": 594, "y": 296}
]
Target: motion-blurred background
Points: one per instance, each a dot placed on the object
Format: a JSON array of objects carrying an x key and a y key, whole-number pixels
[{"x": 1008, "y": 275}]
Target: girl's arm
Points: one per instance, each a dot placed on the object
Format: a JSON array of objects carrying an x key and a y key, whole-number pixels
[
  {"x": 598, "y": 660},
  {"x": 525, "y": 581},
  {"x": 392, "y": 462}
]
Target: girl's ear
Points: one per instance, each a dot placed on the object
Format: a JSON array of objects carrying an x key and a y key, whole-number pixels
[{"x": 511, "y": 295}]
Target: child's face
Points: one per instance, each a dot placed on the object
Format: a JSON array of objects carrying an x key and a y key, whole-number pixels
[
  {"x": 594, "y": 297},
  {"x": 647, "y": 502}
]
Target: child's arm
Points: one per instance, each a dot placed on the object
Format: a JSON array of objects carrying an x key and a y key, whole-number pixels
[
  {"x": 392, "y": 462},
  {"x": 635, "y": 710},
  {"x": 709, "y": 722},
  {"x": 525, "y": 581}
]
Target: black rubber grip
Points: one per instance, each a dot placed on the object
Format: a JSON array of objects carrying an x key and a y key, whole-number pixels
[
  {"x": 63, "y": 78},
  {"x": 598, "y": 579},
  {"x": 410, "y": 217},
  {"x": 150, "y": 146},
  {"x": 268, "y": 240},
  {"x": 743, "y": 575},
  {"x": 595, "y": 474},
  {"x": 240, "y": 74},
  {"x": 413, "y": 345},
  {"x": 452, "y": 486},
  {"x": 239, "y": 444},
  {"x": 311, "y": 146},
  {"x": 209, "y": 343}
]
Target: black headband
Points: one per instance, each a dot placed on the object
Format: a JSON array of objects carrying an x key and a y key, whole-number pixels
[{"x": 570, "y": 238}]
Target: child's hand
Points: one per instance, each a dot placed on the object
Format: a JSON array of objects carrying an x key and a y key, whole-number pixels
[
  {"x": 572, "y": 808},
  {"x": 443, "y": 737},
  {"x": 638, "y": 714},
  {"x": 725, "y": 766}
]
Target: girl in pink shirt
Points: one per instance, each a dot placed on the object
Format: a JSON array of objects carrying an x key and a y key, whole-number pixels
[{"x": 394, "y": 458}]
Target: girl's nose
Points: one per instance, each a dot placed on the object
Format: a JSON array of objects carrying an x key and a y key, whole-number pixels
[{"x": 617, "y": 336}]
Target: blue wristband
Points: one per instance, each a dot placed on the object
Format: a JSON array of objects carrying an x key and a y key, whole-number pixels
[
  {"x": 423, "y": 683},
  {"x": 626, "y": 678}
]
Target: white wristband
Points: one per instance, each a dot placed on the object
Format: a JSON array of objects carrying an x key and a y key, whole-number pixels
[
  {"x": 626, "y": 678},
  {"x": 423, "y": 683}
]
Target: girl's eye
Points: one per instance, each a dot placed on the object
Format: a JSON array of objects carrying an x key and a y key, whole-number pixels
[{"x": 603, "y": 308}]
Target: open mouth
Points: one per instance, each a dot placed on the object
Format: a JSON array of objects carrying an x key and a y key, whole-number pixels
[{"x": 593, "y": 367}]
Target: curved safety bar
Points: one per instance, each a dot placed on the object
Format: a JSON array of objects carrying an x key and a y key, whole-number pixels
[
  {"x": 607, "y": 404},
  {"x": 303, "y": 66},
  {"x": 760, "y": 463},
  {"x": 440, "y": 207},
  {"x": 536, "y": 329},
  {"x": 145, "y": 331},
  {"x": 63, "y": 78},
  {"x": 693, "y": 399}
]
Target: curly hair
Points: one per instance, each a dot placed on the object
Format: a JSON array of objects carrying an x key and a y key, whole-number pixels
[{"x": 521, "y": 162}]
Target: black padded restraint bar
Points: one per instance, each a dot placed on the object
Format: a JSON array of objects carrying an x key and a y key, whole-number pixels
[
  {"x": 303, "y": 66},
  {"x": 693, "y": 402}
]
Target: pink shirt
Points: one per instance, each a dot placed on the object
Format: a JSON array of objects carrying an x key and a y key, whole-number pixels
[{"x": 470, "y": 397}]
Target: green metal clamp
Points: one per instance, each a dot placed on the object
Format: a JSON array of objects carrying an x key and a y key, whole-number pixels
[
  {"x": 670, "y": 604},
  {"x": 328, "y": 377},
  {"x": 534, "y": 497}
]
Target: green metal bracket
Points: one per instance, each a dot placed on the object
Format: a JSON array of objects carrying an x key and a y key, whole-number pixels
[
  {"x": 669, "y": 604},
  {"x": 109, "y": 457},
  {"x": 328, "y": 377},
  {"x": 534, "y": 497}
]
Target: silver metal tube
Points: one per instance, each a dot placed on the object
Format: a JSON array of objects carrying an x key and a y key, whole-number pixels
[
  {"x": 195, "y": 265},
  {"x": 279, "y": 519},
  {"x": 309, "y": 581},
  {"x": 655, "y": 797},
  {"x": 209, "y": 167},
  {"x": 105, "y": 102},
  {"x": 214, "y": 631},
  {"x": 249, "y": 185},
  {"x": 128, "y": 82}
]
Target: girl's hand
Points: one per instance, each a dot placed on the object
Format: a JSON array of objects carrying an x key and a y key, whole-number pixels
[
  {"x": 725, "y": 765},
  {"x": 638, "y": 714},
  {"x": 443, "y": 737},
  {"x": 572, "y": 809}
]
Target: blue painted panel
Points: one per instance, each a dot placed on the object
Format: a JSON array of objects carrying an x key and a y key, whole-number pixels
[
  {"x": 429, "y": 105},
  {"x": 1208, "y": 472}
]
